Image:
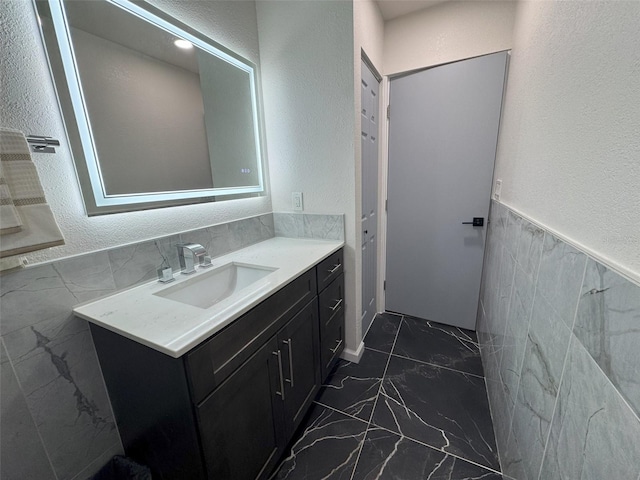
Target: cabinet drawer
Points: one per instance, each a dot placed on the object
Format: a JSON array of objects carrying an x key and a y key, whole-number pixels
[
  {"x": 332, "y": 301},
  {"x": 215, "y": 359},
  {"x": 329, "y": 269}
]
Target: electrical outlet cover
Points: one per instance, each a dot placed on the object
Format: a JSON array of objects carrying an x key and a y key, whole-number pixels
[
  {"x": 296, "y": 201},
  {"x": 497, "y": 190}
]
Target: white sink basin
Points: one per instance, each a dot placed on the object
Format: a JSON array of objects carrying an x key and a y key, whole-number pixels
[{"x": 207, "y": 289}]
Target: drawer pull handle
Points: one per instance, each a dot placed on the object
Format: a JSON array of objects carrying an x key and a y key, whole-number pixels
[
  {"x": 334, "y": 350},
  {"x": 335, "y": 268},
  {"x": 281, "y": 392},
  {"x": 336, "y": 306},
  {"x": 289, "y": 344}
]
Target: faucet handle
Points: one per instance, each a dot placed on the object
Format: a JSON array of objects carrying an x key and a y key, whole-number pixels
[{"x": 205, "y": 262}]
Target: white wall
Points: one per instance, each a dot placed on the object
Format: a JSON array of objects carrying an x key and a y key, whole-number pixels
[
  {"x": 306, "y": 50},
  {"x": 447, "y": 32},
  {"x": 569, "y": 149},
  {"x": 28, "y": 103}
]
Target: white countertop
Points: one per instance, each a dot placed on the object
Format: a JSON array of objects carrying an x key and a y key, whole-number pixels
[{"x": 175, "y": 328}]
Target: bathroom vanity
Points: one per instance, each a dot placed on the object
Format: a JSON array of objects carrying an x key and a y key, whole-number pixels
[{"x": 217, "y": 392}]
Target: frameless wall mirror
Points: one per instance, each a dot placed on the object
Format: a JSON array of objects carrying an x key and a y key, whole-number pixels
[{"x": 156, "y": 113}]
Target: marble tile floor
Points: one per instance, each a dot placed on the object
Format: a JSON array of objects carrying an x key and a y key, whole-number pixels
[{"x": 414, "y": 408}]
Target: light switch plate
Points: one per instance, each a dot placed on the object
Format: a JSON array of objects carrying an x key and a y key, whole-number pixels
[
  {"x": 498, "y": 189},
  {"x": 296, "y": 201}
]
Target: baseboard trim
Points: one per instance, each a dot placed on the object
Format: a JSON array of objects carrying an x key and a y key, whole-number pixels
[{"x": 353, "y": 355}]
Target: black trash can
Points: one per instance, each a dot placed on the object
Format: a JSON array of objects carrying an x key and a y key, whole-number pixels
[{"x": 123, "y": 468}]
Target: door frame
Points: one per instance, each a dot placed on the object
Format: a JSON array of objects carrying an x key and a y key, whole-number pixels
[{"x": 381, "y": 234}]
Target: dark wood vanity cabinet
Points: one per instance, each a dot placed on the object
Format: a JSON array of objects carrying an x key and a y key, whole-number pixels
[{"x": 229, "y": 407}]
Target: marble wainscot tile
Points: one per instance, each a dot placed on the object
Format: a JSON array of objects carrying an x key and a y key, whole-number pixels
[
  {"x": 33, "y": 295},
  {"x": 288, "y": 224},
  {"x": 515, "y": 340},
  {"x": 327, "y": 448},
  {"x": 309, "y": 225},
  {"x": 383, "y": 331},
  {"x": 499, "y": 406},
  {"x": 513, "y": 232},
  {"x": 439, "y": 344},
  {"x": 22, "y": 454},
  {"x": 499, "y": 219},
  {"x": 329, "y": 227},
  {"x": 388, "y": 455},
  {"x": 608, "y": 325},
  {"x": 439, "y": 407},
  {"x": 55, "y": 361},
  {"x": 544, "y": 356},
  {"x": 511, "y": 461},
  {"x": 595, "y": 435},
  {"x": 530, "y": 248},
  {"x": 215, "y": 239},
  {"x": 560, "y": 276},
  {"x": 134, "y": 264},
  {"x": 352, "y": 388},
  {"x": 251, "y": 230},
  {"x": 501, "y": 312}
]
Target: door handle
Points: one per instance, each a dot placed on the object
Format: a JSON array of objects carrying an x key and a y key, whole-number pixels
[
  {"x": 335, "y": 268},
  {"x": 335, "y": 307},
  {"x": 477, "y": 222},
  {"x": 289, "y": 343},
  {"x": 279, "y": 355},
  {"x": 334, "y": 350}
]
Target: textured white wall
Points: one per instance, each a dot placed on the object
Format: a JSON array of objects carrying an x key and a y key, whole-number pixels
[
  {"x": 447, "y": 32},
  {"x": 28, "y": 103},
  {"x": 569, "y": 147},
  {"x": 306, "y": 51}
]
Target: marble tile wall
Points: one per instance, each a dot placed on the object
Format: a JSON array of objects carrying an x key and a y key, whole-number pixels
[
  {"x": 309, "y": 225},
  {"x": 57, "y": 421},
  {"x": 559, "y": 334}
]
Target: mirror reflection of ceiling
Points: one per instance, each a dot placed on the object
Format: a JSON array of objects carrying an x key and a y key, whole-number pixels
[{"x": 112, "y": 23}]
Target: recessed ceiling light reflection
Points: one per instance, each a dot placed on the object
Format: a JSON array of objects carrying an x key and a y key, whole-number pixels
[{"x": 185, "y": 44}]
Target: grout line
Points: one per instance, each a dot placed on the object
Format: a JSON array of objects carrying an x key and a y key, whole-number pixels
[
  {"x": 439, "y": 449},
  {"x": 375, "y": 403},
  {"x": 324, "y": 405},
  {"x": 436, "y": 365},
  {"x": 377, "y": 351}
]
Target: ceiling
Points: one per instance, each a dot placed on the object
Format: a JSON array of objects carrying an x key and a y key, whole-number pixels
[{"x": 395, "y": 8}]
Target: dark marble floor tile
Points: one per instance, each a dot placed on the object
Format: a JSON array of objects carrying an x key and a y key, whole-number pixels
[
  {"x": 352, "y": 387},
  {"x": 439, "y": 407},
  {"x": 327, "y": 447},
  {"x": 388, "y": 456},
  {"x": 382, "y": 332},
  {"x": 439, "y": 344}
]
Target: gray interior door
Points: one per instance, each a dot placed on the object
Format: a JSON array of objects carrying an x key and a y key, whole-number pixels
[
  {"x": 369, "y": 220},
  {"x": 442, "y": 145}
]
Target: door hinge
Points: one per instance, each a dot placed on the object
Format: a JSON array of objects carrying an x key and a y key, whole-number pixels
[
  {"x": 388, "y": 111},
  {"x": 386, "y": 205},
  {"x": 384, "y": 285}
]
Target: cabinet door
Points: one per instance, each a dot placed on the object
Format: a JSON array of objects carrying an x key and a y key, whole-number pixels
[
  {"x": 299, "y": 343},
  {"x": 241, "y": 422}
]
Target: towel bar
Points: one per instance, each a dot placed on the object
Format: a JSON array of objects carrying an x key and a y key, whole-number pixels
[{"x": 41, "y": 144}]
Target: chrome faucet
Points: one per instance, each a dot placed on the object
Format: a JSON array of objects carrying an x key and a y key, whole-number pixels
[{"x": 187, "y": 263}]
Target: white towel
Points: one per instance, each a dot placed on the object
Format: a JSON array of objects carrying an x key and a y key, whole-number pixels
[
  {"x": 39, "y": 229},
  {"x": 10, "y": 221}
]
